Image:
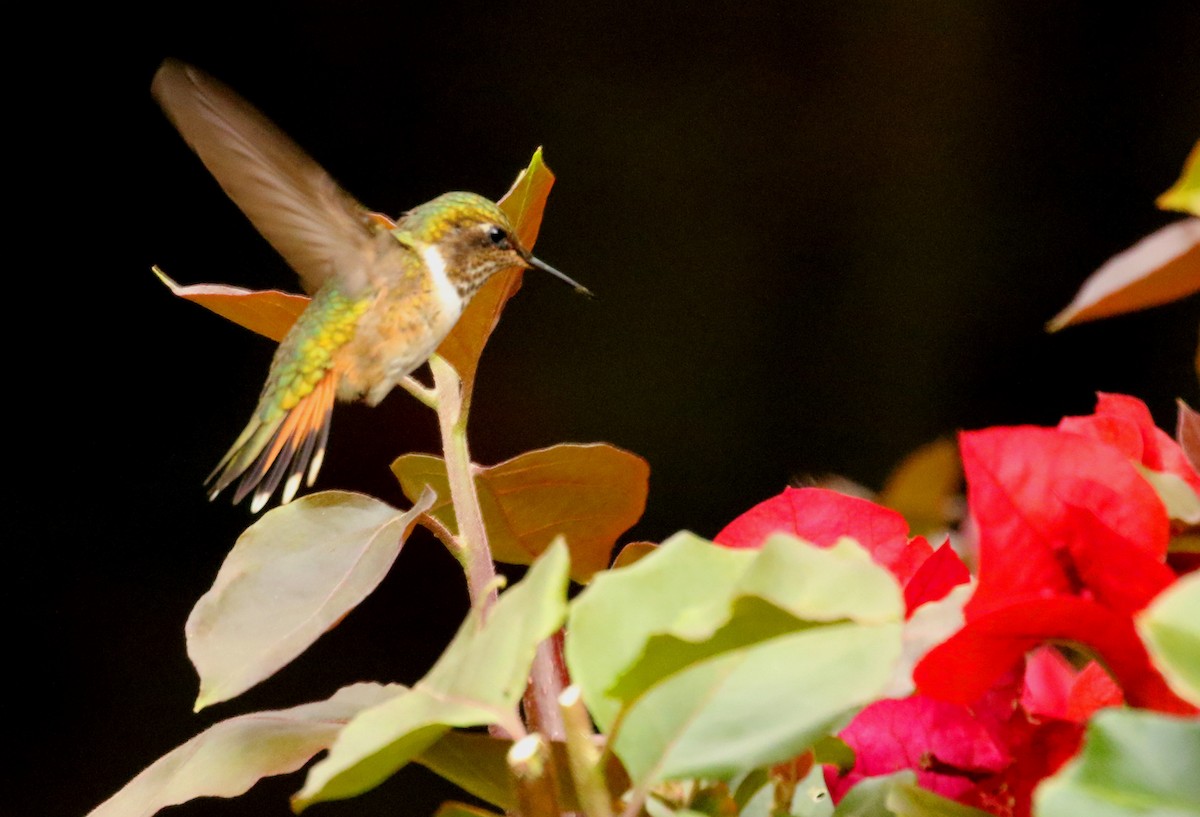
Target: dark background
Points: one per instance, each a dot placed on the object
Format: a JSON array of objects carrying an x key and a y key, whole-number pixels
[{"x": 821, "y": 234}]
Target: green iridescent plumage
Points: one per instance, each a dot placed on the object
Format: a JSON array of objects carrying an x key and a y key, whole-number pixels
[{"x": 306, "y": 354}]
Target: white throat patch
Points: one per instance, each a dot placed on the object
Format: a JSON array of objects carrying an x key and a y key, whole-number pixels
[{"x": 447, "y": 295}]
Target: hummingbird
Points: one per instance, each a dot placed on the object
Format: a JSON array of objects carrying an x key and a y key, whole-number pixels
[{"x": 384, "y": 294}]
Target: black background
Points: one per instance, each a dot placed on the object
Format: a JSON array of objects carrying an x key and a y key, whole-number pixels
[{"x": 820, "y": 234}]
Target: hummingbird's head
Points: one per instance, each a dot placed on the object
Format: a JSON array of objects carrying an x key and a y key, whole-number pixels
[{"x": 473, "y": 239}]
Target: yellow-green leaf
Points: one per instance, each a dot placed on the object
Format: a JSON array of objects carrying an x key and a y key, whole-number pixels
[
  {"x": 691, "y": 599},
  {"x": 923, "y": 487},
  {"x": 1133, "y": 763},
  {"x": 1180, "y": 499},
  {"x": 293, "y": 575},
  {"x": 759, "y": 704},
  {"x": 588, "y": 494},
  {"x": 229, "y": 757},
  {"x": 1170, "y": 628},
  {"x": 477, "y": 682},
  {"x": 1163, "y": 267},
  {"x": 478, "y": 763},
  {"x": 1184, "y": 195}
]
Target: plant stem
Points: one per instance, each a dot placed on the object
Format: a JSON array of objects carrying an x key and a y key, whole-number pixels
[
  {"x": 584, "y": 758},
  {"x": 423, "y": 393},
  {"x": 542, "y": 712},
  {"x": 435, "y": 526},
  {"x": 473, "y": 551},
  {"x": 529, "y": 763},
  {"x": 472, "y": 535}
]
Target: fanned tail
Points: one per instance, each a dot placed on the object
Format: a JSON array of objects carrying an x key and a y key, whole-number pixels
[{"x": 268, "y": 453}]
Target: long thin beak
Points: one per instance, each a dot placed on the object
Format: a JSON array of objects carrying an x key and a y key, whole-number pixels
[{"x": 544, "y": 267}]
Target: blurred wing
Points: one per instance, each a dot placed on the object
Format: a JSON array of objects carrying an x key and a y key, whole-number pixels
[{"x": 318, "y": 228}]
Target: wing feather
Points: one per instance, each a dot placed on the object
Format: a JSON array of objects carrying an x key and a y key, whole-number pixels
[{"x": 318, "y": 228}]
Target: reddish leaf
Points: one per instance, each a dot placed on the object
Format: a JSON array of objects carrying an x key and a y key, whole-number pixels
[
  {"x": 590, "y": 494},
  {"x": 947, "y": 746},
  {"x": 937, "y": 576},
  {"x": 821, "y": 516},
  {"x": 268, "y": 312},
  {"x": 1025, "y": 488},
  {"x": 524, "y": 204},
  {"x": 1187, "y": 433},
  {"x": 633, "y": 552},
  {"x": 1163, "y": 267},
  {"x": 965, "y": 666}
]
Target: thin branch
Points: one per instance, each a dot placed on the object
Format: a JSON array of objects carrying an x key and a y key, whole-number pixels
[
  {"x": 472, "y": 535},
  {"x": 583, "y": 756},
  {"x": 434, "y": 525},
  {"x": 420, "y": 391}
]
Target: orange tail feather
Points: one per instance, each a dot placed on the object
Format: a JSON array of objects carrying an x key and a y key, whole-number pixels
[{"x": 270, "y": 453}]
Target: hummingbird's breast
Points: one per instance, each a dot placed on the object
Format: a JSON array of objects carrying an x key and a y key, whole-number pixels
[{"x": 408, "y": 314}]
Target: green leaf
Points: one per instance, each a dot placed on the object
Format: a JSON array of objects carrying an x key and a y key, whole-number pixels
[
  {"x": 474, "y": 762},
  {"x": 841, "y": 581},
  {"x": 1170, "y": 627},
  {"x": 929, "y": 625},
  {"x": 1133, "y": 762},
  {"x": 291, "y": 576},
  {"x": 702, "y": 661},
  {"x": 898, "y": 795},
  {"x": 868, "y": 798},
  {"x": 478, "y": 764},
  {"x": 756, "y": 705},
  {"x": 612, "y": 620},
  {"x": 691, "y": 599},
  {"x": 477, "y": 682},
  {"x": 588, "y": 494},
  {"x": 758, "y": 793},
  {"x": 811, "y": 798},
  {"x": 1181, "y": 501},
  {"x": 835, "y": 751},
  {"x": 910, "y": 800},
  {"x": 229, "y": 757}
]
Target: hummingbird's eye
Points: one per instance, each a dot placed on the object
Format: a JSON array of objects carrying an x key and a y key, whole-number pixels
[{"x": 498, "y": 237}]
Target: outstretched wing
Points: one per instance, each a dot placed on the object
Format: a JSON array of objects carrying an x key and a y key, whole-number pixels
[{"x": 319, "y": 229}]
